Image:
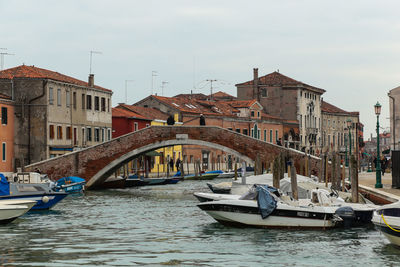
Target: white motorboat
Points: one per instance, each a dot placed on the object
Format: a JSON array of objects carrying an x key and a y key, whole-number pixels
[
  {"x": 387, "y": 220},
  {"x": 352, "y": 214},
  {"x": 8, "y": 213},
  {"x": 23, "y": 202},
  {"x": 285, "y": 213}
]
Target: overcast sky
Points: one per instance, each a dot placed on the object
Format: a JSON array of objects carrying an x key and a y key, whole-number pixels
[{"x": 349, "y": 48}]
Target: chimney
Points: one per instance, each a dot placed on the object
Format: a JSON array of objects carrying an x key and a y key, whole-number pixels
[
  {"x": 91, "y": 80},
  {"x": 256, "y": 93}
]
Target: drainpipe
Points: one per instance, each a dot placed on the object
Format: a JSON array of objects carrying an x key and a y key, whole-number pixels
[
  {"x": 394, "y": 122},
  {"x": 29, "y": 119}
]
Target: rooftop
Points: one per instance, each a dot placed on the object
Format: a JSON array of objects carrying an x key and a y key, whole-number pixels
[
  {"x": 277, "y": 79},
  {"x": 25, "y": 71},
  {"x": 148, "y": 113},
  {"x": 124, "y": 113},
  {"x": 329, "y": 108}
]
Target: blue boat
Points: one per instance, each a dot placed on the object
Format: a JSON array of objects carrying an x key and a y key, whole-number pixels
[
  {"x": 70, "y": 184},
  {"x": 44, "y": 196}
]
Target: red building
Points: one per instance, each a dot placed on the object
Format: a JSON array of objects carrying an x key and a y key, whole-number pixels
[{"x": 126, "y": 121}]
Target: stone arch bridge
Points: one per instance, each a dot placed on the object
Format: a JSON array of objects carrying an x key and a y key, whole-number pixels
[{"x": 98, "y": 162}]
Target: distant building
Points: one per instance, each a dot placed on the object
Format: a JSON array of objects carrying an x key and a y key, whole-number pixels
[
  {"x": 245, "y": 117},
  {"x": 394, "y": 108},
  {"x": 55, "y": 113},
  {"x": 126, "y": 121},
  {"x": 6, "y": 134},
  {"x": 335, "y": 132},
  {"x": 290, "y": 100}
]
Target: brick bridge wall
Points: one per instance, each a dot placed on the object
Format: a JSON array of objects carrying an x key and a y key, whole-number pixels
[{"x": 88, "y": 162}]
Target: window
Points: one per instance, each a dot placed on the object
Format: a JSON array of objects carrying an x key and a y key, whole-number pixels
[
  {"x": 265, "y": 135},
  {"x": 96, "y": 134},
  {"x": 252, "y": 113},
  {"x": 270, "y": 136},
  {"x": 96, "y": 103},
  {"x": 108, "y": 105},
  {"x": 4, "y": 152},
  {"x": 51, "y": 96},
  {"x": 136, "y": 127},
  {"x": 51, "y": 131},
  {"x": 238, "y": 130},
  {"x": 4, "y": 116},
  {"x": 258, "y": 114},
  {"x": 245, "y": 132},
  {"x": 83, "y": 136},
  {"x": 67, "y": 99},
  {"x": 59, "y": 132},
  {"x": 230, "y": 129},
  {"x": 58, "y": 97},
  {"x": 74, "y": 100},
  {"x": 258, "y": 134},
  {"x": 147, "y": 125},
  {"x": 69, "y": 133},
  {"x": 103, "y": 134},
  {"x": 109, "y": 134},
  {"x": 103, "y": 104},
  {"x": 276, "y": 135},
  {"x": 88, "y": 102},
  {"x": 83, "y": 101},
  {"x": 252, "y": 132},
  {"x": 264, "y": 92},
  {"x": 89, "y": 134}
]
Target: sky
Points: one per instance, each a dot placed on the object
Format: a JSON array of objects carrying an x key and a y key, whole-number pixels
[{"x": 349, "y": 48}]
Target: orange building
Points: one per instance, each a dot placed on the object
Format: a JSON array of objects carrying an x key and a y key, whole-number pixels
[{"x": 6, "y": 134}]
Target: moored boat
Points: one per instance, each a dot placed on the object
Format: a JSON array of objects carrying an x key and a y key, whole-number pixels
[
  {"x": 387, "y": 220},
  {"x": 270, "y": 211},
  {"x": 42, "y": 193},
  {"x": 9, "y": 213},
  {"x": 70, "y": 184}
]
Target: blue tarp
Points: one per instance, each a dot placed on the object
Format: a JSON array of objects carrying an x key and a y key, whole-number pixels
[
  {"x": 265, "y": 201},
  {"x": 4, "y": 186}
]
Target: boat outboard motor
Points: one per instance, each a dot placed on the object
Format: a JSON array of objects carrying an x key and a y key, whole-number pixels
[{"x": 347, "y": 214}]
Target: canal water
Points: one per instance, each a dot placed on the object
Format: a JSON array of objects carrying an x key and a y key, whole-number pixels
[{"x": 161, "y": 225}]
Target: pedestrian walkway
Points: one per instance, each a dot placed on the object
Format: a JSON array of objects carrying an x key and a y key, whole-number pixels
[{"x": 367, "y": 181}]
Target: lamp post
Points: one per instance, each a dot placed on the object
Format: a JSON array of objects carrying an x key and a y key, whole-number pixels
[
  {"x": 348, "y": 122},
  {"x": 378, "y": 157}
]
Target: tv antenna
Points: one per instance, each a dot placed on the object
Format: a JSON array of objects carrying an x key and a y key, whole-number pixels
[
  {"x": 2, "y": 54},
  {"x": 211, "y": 82},
  {"x": 163, "y": 83},
  {"x": 91, "y": 54},
  {"x": 153, "y": 74},
  {"x": 126, "y": 90}
]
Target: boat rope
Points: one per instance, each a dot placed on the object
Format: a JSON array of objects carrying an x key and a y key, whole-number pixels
[{"x": 383, "y": 218}]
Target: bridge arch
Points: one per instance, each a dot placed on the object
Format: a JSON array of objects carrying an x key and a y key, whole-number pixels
[
  {"x": 96, "y": 162},
  {"x": 105, "y": 172}
]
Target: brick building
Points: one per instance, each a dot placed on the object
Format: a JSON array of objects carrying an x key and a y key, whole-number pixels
[
  {"x": 125, "y": 121},
  {"x": 6, "y": 134},
  {"x": 245, "y": 117},
  {"x": 290, "y": 100},
  {"x": 54, "y": 113}
]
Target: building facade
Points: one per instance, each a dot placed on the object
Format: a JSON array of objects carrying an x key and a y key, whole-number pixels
[
  {"x": 289, "y": 100},
  {"x": 55, "y": 113},
  {"x": 394, "y": 108},
  {"x": 337, "y": 136},
  {"x": 6, "y": 134}
]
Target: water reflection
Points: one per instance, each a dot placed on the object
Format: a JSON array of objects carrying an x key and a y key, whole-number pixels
[{"x": 162, "y": 226}]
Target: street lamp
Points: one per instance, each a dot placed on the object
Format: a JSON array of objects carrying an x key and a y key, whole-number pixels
[
  {"x": 348, "y": 122},
  {"x": 378, "y": 158}
]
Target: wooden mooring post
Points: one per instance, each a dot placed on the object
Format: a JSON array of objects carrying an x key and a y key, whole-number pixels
[
  {"x": 354, "y": 179},
  {"x": 293, "y": 181},
  {"x": 276, "y": 173}
]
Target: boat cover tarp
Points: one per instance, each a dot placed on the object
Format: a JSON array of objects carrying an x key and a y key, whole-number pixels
[
  {"x": 265, "y": 201},
  {"x": 4, "y": 186}
]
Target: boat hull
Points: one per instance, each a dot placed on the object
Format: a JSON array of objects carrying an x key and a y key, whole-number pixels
[
  {"x": 43, "y": 201},
  {"x": 202, "y": 177},
  {"x": 392, "y": 235},
  {"x": 229, "y": 213},
  {"x": 9, "y": 213}
]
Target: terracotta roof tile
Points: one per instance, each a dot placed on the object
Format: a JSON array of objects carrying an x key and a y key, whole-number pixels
[
  {"x": 24, "y": 71},
  {"x": 194, "y": 96},
  {"x": 242, "y": 103},
  {"x": 2, "y": 96},
  {"x": 277, "y": 79},
  {"x": 124, "y": 113},
  {"x": 329, "y": 108},
  {"x": 149, "y": 113}
]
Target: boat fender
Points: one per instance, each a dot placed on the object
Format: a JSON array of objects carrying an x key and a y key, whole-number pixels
[{"x": 45, "y": 199}]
